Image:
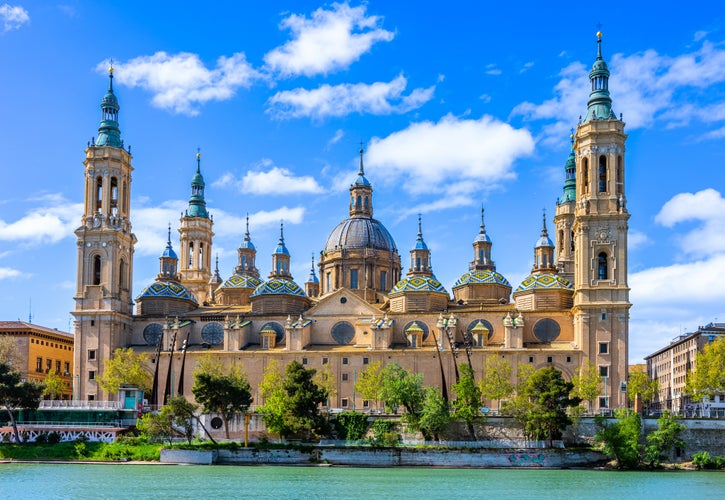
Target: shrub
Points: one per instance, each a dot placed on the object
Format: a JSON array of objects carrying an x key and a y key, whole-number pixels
[
  {"x": 384, "y": 433},
  {"x": 351, "y": 425},
  {"x": 41, "y": 438},
  {"x": 80, "y": 449},
  {"x": 54, "y": 437}
]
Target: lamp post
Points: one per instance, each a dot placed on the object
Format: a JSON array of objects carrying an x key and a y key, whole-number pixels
[
  {"x": 439, "y": 349},
  {"x": 448, "y": 325}
]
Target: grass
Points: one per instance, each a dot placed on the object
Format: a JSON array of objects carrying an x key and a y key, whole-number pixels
[{"x": 136, "y": 450}]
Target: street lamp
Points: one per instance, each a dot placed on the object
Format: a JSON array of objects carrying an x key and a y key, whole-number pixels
[
  {"x": 439, "y": 349},
  {"x": 448, "y": 325}
]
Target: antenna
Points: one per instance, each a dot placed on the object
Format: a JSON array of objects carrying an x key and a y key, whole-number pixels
[{"x": 30, "y": 310}]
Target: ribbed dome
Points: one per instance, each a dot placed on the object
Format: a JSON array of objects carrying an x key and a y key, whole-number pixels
[
  {"x": 360, "y": 232},
  {"x": 246, "y": 281},
  {"x": 419, "y": 284},
  {"x": 481, "y": 276},
  {"x": 544, "y": 281},
  {"x": 278, "y": 286},
  {"x": 166, "y": 289}
]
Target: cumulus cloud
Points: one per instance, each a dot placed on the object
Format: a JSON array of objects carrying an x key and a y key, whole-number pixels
[
  {"x": 54, "y": 219},
  {"x": 7, "y": 273},
  {"x": 646, "y": 84},
  {"x": 706, "y": 207},
  {"x": 339, "y": 134},
  {"x": 13, "y": 17},
  {"x": 181, "y": 82},
  {"x": 379, "y": 98},
  {"x": 270, "y": 179},
  {"x": 329, "y": 40},
  {"x": 469, "y": 153}
]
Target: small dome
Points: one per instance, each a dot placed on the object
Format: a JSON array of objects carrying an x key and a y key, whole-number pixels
[
  {"x": 109, "y": 100},
  {"x": 281, "y": 248},
  {"x": 544, "y": 241},
  {"x": 482, "y": 237},
  {"x": 481, "y": 277},
  {"x": 198, "y": 179},
  {"x": 360, "y": 232},
  {"x": 248, "y": 245},
  {"x": 243, "y": 281},
  {"x": 169, "y": 252},
  {"x": 278, "y": 286},
  {"x": 169, "y": 289},
  {"x": 419, "y": 284},
  {"x": 362, "y": 181},
  {"x": 544, "y": 281}
]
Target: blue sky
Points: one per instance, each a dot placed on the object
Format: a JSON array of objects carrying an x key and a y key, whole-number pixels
[{"x": 458, "y": 105}]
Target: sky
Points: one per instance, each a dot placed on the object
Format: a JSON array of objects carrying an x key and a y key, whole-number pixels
[{"x": 458, "y": 105}]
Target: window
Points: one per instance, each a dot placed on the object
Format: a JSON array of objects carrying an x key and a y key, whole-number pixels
[
  {"x": 620, "y": 176},
  {"x": 383, "y": 280},
  {"x": 531, "y": 359},
  {"x": 345, "y": 361},
  {"x": 99, "y": 194},
  {"x": 604, "y": 316},
  {"x": 568, "y": 359},
  {"x": 602, "y": 267},
  {"x": 57, "y": 367},
  {"x": 304, "y": 361},
  {"x": 66, "y": 368},
  {"x": 91, "y": 374},
  {"x": 366, "y": 361},
  {"x": 603, "y": 347},
  {"x": 366, "y": 403},
  {"x": 345, "y": 377},
  {"x": 39, "y": 365},
  {"x": 353, "y": 278},
  {"x": 97, "y": 270},
  {"x": 325, "y": 361},
  {"x": 585, "y": 174},
  {"x": 604, "y": 402},
  {"x": 93, "y": 322},
  {"x": 122, "y": 275},
  {"x": 265, "y": 342},
  {"x": 549, "y": 359},
  {"x": 602, "y": 174},
  {"x": 328, "y": 282},
  {"x": 91, "y": 354},
  {"x": 604, "y": 371},
  {"x": 48, "y": 365},
  {"x": 344, "y": 402},
  {"x": 91, "y": 397}
]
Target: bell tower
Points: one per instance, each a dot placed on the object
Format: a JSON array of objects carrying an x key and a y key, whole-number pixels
[
  {"x": 601, "y": 296},
  {"x": 103, "y": 300}
]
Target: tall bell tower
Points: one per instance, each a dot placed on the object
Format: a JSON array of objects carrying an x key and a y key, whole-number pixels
[
  {"x": 103, "y": 299},
  {"x": 601, "y": 296}
]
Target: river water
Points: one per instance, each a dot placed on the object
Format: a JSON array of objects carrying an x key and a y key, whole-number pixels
[{"x": 80, "y": 481}]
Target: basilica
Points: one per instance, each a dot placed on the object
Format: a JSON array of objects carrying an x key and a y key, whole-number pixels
[{"x": 361, "y": 303}]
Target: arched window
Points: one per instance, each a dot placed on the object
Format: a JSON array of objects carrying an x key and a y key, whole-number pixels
[
  {"x": 572, "y": 241},
  {"x": 366, "y": 202},
  {"x": 99, "y": 194},
  {"x": 124, "y": 198},
  {"x": 191, "y": 256},
  {"x": 114, "y": 196},
  {"x": 359, "y": 201},
  {"x": 602, "y": 267},
  {"x": 561, "y": 241},
  {"x": 201, "y": 256},
  {"x": 417, "y": 263},
  {"x": 97, "y": 270},
  {"x": 585, "y": 175},
  {"x": 122, "y": 274},
  {"x": 620, "y": 176},
  {"x": 602, "y": 174}
]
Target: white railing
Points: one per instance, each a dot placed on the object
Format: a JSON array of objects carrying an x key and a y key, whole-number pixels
[{"x": 78, "y": 404}]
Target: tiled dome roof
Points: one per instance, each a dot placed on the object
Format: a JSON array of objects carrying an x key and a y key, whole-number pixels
[
  {"x": 169, "y": 289},
  {"x": 244, "y": 281},
  {"x": 481, "y": 276},
  {"x": 419, "y": 284},
  {"x": 278, "y": 286},
  {"x": 544, "y": 281},
  {"x": 360, "y": 232}
]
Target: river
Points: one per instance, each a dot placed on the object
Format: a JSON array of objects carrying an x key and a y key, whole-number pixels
[{"x": 109, "y": 481}]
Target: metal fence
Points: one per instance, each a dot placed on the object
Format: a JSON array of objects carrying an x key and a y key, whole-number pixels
[{"x": 518, "y": 444}]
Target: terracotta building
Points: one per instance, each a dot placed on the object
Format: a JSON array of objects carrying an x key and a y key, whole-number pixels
[{"x": 361, "y": 302}]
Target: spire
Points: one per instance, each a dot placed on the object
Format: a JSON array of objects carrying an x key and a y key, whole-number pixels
[
  {"x": 420, "y": 255},
  {"x": 197, "y": 203},
  {"x": 544, "y": 251},
  {"x": 599, "y": 106},
  {"x": 361, "y": 193},
  {"x": 281, "y": 248},
  {"x": 247, "y": 239},
  {"x": 108, "y": 132},
  {"x": 313, "y": 276},
  {"x": 247, "y": 254},
  {"x": 419, "y": 243},
  {"x": 216, "y": 279},
  {"x": 570, "y": 170},
  {"x": 280, "y": 258},
  {"x": 482, "y": 236},
  {"x": 168, "y": 262},
  {"x": 361, "y": 172},
  {"x": 544, "y": 240},
  {"x": 482, "y": 249}
]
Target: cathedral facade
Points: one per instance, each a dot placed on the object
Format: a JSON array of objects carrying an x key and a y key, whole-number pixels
[{"x": 358, "y": 305}]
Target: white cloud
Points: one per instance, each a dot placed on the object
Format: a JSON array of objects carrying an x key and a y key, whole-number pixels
[
  {"x": 527, "y": 66},
  {"x": 327, "y": 41},
  {"x": 379, "y": 98},
  {"x": 636, "y": 239},
  {"x": 708, "y": 208},
  {"x": 54, "y": 220},
  {"x": 231, "y": 225},
  {"x": 13, "y": 17},
  {"x": 270, "y": 179},
  {"x": 7, "y": 273},
  {"x": 646, "y": 84},
  {"x": 428, "y": 155},
  {"x": 181, "y": 82},
  {"x": 491, "y": 69},
  {"x": 339, "y": 134}
]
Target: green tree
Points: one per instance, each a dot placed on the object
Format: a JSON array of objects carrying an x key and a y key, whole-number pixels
[
  {"x": 467, "y": 405},
  {"x": 158, "y": 426},
  {"x": 125, "y": 368},
  {"x": 9, "y": 351},
  {"x": 524, "y": 372},
  {"x": 184, "y": 416},
  {"x": 549, "y": 396},
  {"x": 324, "y": 379},
  {"x": 620, "y": 439},
  {"x": 639, "y": 384},
  {"x": 708, "y": 377},
  {"x": 351, "y": 425},
  {"x": 496, "y": 383},
  {"x": 435, "y": 413},
  {"x": 292, "y": 402},
  {"x": 54, "y": 385},
  {"x": 402, "y": 388},
  {"x": 16, "y": 394},
  {"x": 664, "y": 440},
  {"x": 369, "y": 382},
  {"x": 587, "y": 383},
  {"x": 226, "y": 394}
]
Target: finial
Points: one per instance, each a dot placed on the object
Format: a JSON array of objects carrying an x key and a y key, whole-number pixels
[
  {"x": 168, "y": 241},
  {"x": 420, "y": 228},
  {"x": 483, "y": 225},
  {"x": 281, "y": 232},
  {"x": 599, "y": 41},
  {"x": 544, "y": 232},
  {"x": 198, "y": 160},
  {"x": 246, "y": 234},
  {"x": 312, "y": 268},
  {"x": 217, "y": 264},
  {"x": 362, "y": 170}
]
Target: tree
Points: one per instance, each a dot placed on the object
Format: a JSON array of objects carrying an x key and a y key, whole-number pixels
[
  {"x": 324, "y": 379},
  {"x": 226, "y": 394},
  {"x": 587, "y": 383},
  {"x": 467, "y": 405},
  {"x": 9, "y": 351},
  {"x": 16, "y": 394},
  {"x": 639, "y": 384},
  {"x": 184, "y": 415},
  {"x": 549, "y": 397},
  {"x": 54, "y": 385},
  {"x": 620, "y": 439},
  {"x": 496, "y": 383},
  {"x": 402, "y": 388},
  {"x": 435, "y": 413},
  {"x": 370, "y": 382},
  {"x": 708, "y": 377},
  {"x": 125, "y": 368},
  {"x": 158, "y": 426},
  {"x": 292, "y": 402},
  {"x": 664, "y": 440}
]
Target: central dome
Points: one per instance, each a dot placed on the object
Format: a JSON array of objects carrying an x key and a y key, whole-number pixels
[{"x": 360, "y": 232}]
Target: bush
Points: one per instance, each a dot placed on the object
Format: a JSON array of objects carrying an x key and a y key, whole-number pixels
[
  {"x": 41, "y": 438},
  {"x": 351, "y": 425},
  {"x": 384, "y": 433},
  {"x": 80, "y": 449},
  {"x": 702, "y": 460},
  {"x": 54, "y": 437}
]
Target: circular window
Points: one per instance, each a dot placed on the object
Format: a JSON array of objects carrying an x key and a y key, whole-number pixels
[
  {"x": 478, "y": 324},
  {"x": 279, "y": 338},
  {"x": 343, "y": 300},
  {"x": 547, "y": 330},
  {"x": 422, "y": 326},
  {"x": 343, "y": 332},
  {"x": 212, "y": 333},
  {"x": 216, "y": 423},
  {"x": 152, "y": 333}
]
